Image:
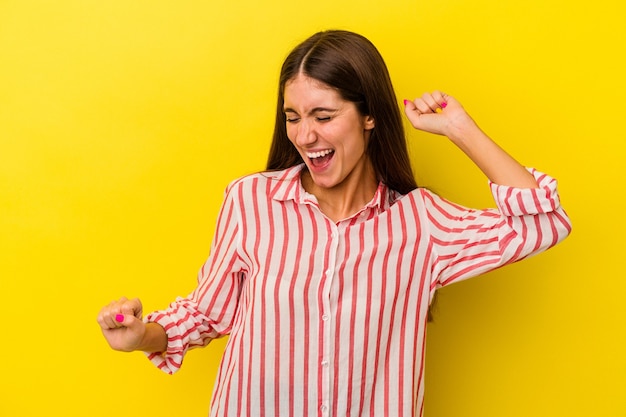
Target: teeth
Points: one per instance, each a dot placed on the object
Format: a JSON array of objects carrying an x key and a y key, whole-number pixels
[{"x": 319, "y": 154}]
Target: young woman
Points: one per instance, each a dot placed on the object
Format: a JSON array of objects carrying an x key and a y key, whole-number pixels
[{"x": 322, "y": 268}]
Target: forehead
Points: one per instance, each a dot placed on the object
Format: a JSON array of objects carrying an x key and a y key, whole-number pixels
[{"x": 303, "y": 91}]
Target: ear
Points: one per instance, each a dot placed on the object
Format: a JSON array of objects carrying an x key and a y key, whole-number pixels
[{"x": 368, "y": 123}]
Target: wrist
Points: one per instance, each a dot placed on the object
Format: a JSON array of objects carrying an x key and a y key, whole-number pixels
[
  {"x": 154, "y": 338},
  {"x": 464, "y": 132}
]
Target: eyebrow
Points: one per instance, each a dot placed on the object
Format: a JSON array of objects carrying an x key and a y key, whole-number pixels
[{"x": 312, "y": 111}]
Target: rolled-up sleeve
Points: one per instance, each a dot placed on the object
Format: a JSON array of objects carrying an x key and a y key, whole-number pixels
[{"x": 468, "y": 242}]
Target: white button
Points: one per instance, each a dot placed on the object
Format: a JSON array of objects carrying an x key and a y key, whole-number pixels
[
  {"x": 324, "y": 408},
  {"x": 324, "y": 363},
  {"x": 329, "y": 273},
  {"x": 325, "y": 317}
]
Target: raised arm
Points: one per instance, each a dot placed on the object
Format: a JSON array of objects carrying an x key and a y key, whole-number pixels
[{"x": 442, "y": 114}]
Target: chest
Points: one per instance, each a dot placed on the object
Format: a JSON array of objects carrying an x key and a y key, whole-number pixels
[{"x": 299, "y": 256}]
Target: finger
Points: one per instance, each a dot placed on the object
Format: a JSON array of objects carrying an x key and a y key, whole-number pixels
[
  {"x": 422, "y": 106},
  {"x": 130, "y": 322},
  {"x": 121, "y": 320},
  {"x": 127, "y": 308},
  {"x": 416, "y": 116},
  {"x": 101, "y": 321},
  {"x": 438, "y": 96},
  {"x": 106, "y": 317},
  {"x": 430, "y": 101},
  {"x": 441, "y": 101},
  {"x": 133, "y": 307},
  {"x": 106, "y": 321},
  {"x": 444, "y": 99},
  {"x": 412, "y": 113}
]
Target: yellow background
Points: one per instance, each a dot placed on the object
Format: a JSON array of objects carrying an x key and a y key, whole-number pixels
[{"x": 121, "y": 122}]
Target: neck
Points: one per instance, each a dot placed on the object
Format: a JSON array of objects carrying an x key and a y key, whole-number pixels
[{"x": 345, "y": 199}]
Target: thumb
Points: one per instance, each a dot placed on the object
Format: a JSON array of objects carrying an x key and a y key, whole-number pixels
[
  {"x": 128, "y": 334},
  {"x": 129, "y": 321}
]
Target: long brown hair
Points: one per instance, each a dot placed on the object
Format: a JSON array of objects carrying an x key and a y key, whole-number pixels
[{"x": 351, "y": 64}]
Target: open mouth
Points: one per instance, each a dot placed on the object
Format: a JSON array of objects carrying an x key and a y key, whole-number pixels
[{"x": 320, "y": 158}]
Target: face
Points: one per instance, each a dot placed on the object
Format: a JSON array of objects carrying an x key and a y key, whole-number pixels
[{"x": 329, "y": 133}]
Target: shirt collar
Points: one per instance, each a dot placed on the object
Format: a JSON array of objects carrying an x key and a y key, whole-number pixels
[{"x": 287, "y": 186}]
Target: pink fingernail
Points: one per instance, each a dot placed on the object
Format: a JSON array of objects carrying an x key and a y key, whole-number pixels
[
  {"x": 444, "y": 105},
  {"x": 405, "y": 102},
  {"x": 119, "y": 318}
]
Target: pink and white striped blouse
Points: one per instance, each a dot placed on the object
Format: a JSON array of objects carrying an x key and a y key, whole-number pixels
[{"x": 329, "y": 318}]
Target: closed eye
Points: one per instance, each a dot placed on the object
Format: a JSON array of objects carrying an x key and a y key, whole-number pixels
[{"x": 291, "y": 118}]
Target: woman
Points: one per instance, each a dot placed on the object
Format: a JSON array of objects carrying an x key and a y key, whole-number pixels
[{"x": 322, "y": 268}]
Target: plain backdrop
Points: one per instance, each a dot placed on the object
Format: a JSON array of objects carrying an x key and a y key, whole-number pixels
[{"x": 121, "y": 123}]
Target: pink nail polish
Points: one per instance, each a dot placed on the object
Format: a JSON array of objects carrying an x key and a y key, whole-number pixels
[
  {"x": 119, "y": 318},
  {"x": 444, "y": 105},
  {"x": 405, "y": 102}
]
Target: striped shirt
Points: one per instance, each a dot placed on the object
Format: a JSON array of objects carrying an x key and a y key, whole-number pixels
[{"x": 328, "y": 318}]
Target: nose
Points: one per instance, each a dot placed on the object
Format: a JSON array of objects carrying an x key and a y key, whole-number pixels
[{"x": 306, "y": 133}]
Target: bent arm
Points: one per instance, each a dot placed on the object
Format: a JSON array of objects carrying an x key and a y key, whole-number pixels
[
  {"x": 500, "y": 167},
  {"x": 466, "y": 242},
  {"x": 442, "y": 114}
]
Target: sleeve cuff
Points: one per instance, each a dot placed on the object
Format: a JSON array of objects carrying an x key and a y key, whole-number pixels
[
  {"x": 513, "y": 201},
  {"x": 171, "y": 360}
]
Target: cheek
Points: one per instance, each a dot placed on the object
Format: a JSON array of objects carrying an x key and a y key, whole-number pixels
[
  {"x": 291, "y": 133},
  {"x": 355, "y": 141}
]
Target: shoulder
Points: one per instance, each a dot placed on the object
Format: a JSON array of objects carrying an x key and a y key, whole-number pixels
[
  {"x": 266, "y": 182},
  {"x": 426, "y": 202},
  {"x": 245, "y": 181},
  {"x": 419, "y": 195}
]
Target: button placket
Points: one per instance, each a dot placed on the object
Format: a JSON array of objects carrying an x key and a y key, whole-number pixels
[{"x": 325, "y": 310}]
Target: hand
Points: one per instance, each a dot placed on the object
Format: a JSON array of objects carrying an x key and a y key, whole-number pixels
[
  {"x": 440, "y": 114},
  {"x": 122, "y": 325}
]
